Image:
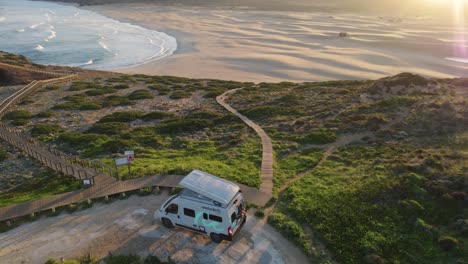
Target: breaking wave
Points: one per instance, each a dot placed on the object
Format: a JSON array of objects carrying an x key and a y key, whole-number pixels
[{"x": 39, "y": 48}]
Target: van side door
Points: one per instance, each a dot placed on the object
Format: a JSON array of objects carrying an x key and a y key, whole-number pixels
[{"x": 188, "y": 218}]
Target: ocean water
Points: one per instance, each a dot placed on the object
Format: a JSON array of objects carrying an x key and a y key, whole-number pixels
[{"x": 49, "y": 33}]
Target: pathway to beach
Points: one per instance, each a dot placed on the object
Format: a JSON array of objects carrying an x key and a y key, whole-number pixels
[{"x": 266, "y": 172}]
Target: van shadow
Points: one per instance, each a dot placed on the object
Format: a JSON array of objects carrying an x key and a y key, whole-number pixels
[{"x": 184, "y": 246}]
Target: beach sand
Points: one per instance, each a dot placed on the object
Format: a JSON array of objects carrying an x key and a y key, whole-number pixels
[{"x": 273, "y": 46}]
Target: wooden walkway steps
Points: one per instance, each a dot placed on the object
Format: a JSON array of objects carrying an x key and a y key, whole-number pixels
[
  {"x": 267, "y": 154},
  {"x": 97, "y": 191}
]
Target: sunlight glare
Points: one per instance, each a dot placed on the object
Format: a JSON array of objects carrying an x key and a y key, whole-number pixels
[{"x": 459, "y": 16}]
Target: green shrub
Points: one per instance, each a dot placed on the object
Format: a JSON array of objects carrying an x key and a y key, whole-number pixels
[
  {"x": 205, "y": 115},
  {"x": 180, "y": 95},
  {"x": 140, "y": 94},
  {"x": 3, "y": 155},
  {"x": 76, "y": 98},
  {"x": 259, "y": 214},
  {"x": 77, "y": 139},
  {"x": 78, "y": 102},
  {"x": 448, "y": 243},
  {"x": 121, "y": 86},
  {"x": 79, "y": 86},
  {"x": 152, "y": 260},
  {"x": 289, "y": 99},
  {"x": 291, "y": 230},
  {"x": 45, "y": 129},
  {"x": 19, "y": 122},
  {"x": 52, "y": 88},
  {"x": 145, "y": 191},
  {"x": 120, "y": 79},
  {"x": 183, "y": 126},
  {"x": 214, "y": 93},
  {"x": 52, "y": 261},
  {"x": 101, "y": 91},
  {"x": 90, "y": 106},
  {"x": 111, "y": 128},
  {"x": 156, "y": 115},
  {"x": 115, "y": 100},
  {"x": 17, "y": 114},
  {"x": 159, "y": 87},
  {"x": 319, "y": 137},
  {"x": 67, "y": 106},
  {"x": 46, "y": 114},
  {"x": 26, "y": 102},
  {"x": 126, "y": 116},
  {"x": 131, "y": 259}
]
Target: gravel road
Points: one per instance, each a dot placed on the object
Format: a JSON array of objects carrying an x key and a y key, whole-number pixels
[{"x": 127, "y": 227}]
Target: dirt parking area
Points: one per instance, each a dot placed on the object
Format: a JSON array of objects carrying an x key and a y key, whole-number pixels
[{"x": 127, "y": 227}]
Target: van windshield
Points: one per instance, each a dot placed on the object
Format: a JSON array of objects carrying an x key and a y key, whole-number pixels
[{"x": 168, "y": 201}]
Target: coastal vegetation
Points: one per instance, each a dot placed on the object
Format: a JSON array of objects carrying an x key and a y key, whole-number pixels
[
  {"x": 394, "y": 192},
  {"x": 397, "y": 194}
]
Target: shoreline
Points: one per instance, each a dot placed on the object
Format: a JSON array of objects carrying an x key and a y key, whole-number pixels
[{"x": 271, "y": 46}]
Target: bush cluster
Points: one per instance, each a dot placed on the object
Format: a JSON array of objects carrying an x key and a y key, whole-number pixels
[
  {"x": 3, "y": 155},
  {"x": 78, "y": 102},
  {"x": 110, "y": 128},
  {"x": 183, "y": 126},
  {"x": 45, "y": 129},
  {"x": 78, "y": 140},
  {"x": 17, "y": 114},
  {"x": 140, "y": 94},
  {"x": 291, "y": 230},
  {"x": 126, "y": 116},
  {"x": 115, "y": 100}
]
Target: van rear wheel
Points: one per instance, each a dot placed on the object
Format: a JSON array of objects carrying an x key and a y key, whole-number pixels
[
  {"x": 167, "y": 223},
  {"x": 216, "y": 238}
]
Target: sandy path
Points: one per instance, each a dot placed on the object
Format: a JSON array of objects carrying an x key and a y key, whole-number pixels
[
  {"x": 291, "y": 46},
  {"x": 127, "y": 226}
]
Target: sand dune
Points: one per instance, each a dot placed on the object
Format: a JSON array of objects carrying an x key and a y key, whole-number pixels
[{"x": 292, "y": 46}]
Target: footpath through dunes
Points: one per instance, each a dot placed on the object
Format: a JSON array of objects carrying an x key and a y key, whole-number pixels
[
  {"x": 266, "y": 186},
  {"x": 101, "y": 175}
]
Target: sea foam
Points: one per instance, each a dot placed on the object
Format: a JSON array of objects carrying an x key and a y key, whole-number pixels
[
  {"x": 463, "y": 60},
  {"x": 80, "y": 37},
  {"x": 39, "y": 48}
]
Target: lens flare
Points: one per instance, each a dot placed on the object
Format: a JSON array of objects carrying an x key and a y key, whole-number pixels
[{"x": 460, "y": 48}]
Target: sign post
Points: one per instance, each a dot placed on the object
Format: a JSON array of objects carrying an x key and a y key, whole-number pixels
[
  {"x": 127, "y": 160},
  {"x": 130, "y": 155}
]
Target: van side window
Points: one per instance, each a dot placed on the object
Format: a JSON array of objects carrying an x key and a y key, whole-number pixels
[
  {"x": 172, "y": 209},
  {"x": 189, "y": 212},
  {"x": 216, "y": 218},
  {"x": 205, "y": 216}
]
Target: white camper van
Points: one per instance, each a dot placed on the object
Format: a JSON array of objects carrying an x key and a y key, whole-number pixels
[{"x": 207, "y": 204}]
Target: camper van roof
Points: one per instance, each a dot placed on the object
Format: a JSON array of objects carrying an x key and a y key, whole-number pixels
[{"x": 210, "y": 186}]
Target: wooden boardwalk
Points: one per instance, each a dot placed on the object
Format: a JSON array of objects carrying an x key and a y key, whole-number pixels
[
  {"x": 101, "y": 174},
  {"x": 267, "y": 154}
]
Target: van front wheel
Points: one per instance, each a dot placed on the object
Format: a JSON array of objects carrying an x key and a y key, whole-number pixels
[
  {"x": 167, "y": 223},
  {"x": 216, "y": 238}
]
